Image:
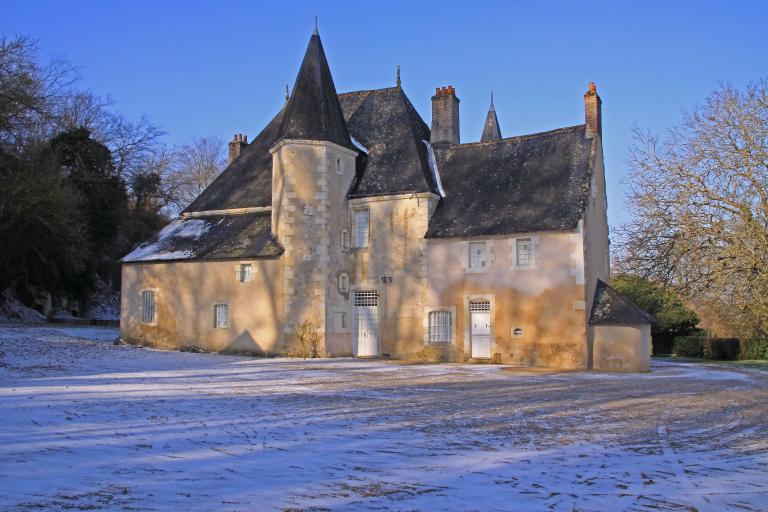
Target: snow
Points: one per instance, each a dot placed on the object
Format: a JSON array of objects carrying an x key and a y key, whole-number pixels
[
  {"x": 86, "y": 424},
  {"x": 433, "y": 166},
  {"x": 192, "y": 229},
  {"x": 358, "y": 145},
  {"x": 12, "y": 310}
]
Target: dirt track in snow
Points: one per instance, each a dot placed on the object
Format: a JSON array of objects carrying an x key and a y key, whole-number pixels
[{"x": 88, "y": 425}]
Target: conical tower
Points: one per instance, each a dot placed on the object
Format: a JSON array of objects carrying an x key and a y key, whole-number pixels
[{"x": 313, "y": 165}]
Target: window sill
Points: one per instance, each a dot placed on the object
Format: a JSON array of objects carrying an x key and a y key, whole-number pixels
[
  {"x": 524, "y": 267},
  {"x": 477, "y": 270}
]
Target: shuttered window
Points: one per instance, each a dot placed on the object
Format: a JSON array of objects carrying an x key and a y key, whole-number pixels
[
  {"x": 148, "y": 306},
  {"x": 524, "y": 252},
  {"x": 221, "y": 316},
  {"x": 440, "y": 326},
  {"x": 361, "y": 228}
]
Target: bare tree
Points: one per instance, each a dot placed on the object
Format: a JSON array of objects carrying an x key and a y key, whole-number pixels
[
  {"x": 197, "y": 165},
  {"x": 700, "y": 203},
  {"x": 30, "y": 92}
]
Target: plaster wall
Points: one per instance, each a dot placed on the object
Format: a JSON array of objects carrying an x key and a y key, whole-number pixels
[
  {"x": 185, "y": 295},
  {"x": 545, "y": 300},
  {"x": 622, "y": 347}
]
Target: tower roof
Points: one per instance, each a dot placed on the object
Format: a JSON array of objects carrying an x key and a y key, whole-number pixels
[
  {"x": 491, "y": 130},
  {"x": 313, "y": 111}
]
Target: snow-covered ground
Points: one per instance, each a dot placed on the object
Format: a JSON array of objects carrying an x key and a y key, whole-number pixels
[{"x": 85, "y": 424}]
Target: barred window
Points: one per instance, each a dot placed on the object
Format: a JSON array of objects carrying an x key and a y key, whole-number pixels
[
  {"x": 524, "y": 252},
  {"x": 440, "y": 326},
  {"x": 148, "y": 306},
  {"x": 245, "y": 273},
  {"x": 220, "y": 316}
]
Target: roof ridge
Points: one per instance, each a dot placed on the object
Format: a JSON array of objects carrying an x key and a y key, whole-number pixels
[
  {"x": 526, "y": 136},
  {"x": 367, "y": 91}
]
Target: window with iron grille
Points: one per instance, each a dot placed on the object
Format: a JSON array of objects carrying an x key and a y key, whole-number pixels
[
  {"x": 220, "y": 316},
  {"x": 479, "y": 306},
  {"x": 440, "y": 326},
  {"x": 148, "y": 306},
  {"x": 524, "y": 252},
  {"x": 245, "y": 274},
  {"x": 362, "y": 218},
  {"x": 477, "y": 255},
  {"x": 367, "y": 298}
]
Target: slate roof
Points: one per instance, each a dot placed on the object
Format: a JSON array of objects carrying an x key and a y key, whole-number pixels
[
  {"x": 387, "y": 124},
  {"x": 210, "y": 237},
  {"x": 491, "y": 129},
  {"x": 313, "y": 111},
  {"x": 247, "y": 181},
  {"x": 609, "y": 307},
  {"x": 536, "y": 182}
]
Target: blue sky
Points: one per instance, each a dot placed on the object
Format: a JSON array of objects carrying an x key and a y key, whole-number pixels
[{"x": 216, "y": 68}]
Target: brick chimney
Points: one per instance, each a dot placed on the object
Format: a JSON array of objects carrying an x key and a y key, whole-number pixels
[
  {"x": 239, "y": 141},
  {"x": 593, "y": 111},
  {"x": 445, "y": 116}
]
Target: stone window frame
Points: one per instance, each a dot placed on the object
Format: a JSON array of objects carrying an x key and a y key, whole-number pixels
[
  {"x": 535, "y": 246},
  {"x": 355, "y": 211},
  {"x": 155, "y": 292},
  {"x": 239, "y": 272},
  {"x": 216, "y": 306},
  {"x": 425, "y": 324},
  {"x": 465, "y": 256}
]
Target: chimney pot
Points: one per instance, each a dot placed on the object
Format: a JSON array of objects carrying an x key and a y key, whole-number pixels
[
  {"x": 233, "y": 148},
  {"x": 445, "y": 116},
  {"x": 593, "y": 111}
]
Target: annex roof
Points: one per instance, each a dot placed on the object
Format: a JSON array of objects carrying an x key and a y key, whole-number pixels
[
  {"x": 609, "y": 307},
  {"x": 210, "y": 237}
]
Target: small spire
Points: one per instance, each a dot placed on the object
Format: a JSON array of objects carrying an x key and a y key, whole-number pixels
[
  {"x": 315, "y": 32},
  {"x": 287, "y": 95},
  {"x": 398, "y": 77},
  {"x": 491, "y": 130}
]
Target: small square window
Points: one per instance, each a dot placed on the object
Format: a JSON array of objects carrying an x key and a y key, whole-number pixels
[
  {"x": 524, "y": 252},
  {"x": 221, "y": 316},
  {"x": 245, "y": 274},
  {"x": 478, "y": 257},
  {"x": 148, "y": 306},
  {"x": 440, "y": 326}
]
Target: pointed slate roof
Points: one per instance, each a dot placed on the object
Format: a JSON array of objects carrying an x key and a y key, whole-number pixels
[
  {"x": 609, "y": 307},
  {"x": 313, "y": 111},
  {"x": 385, "y": 122},
  {"x": 491, "y": 130}
]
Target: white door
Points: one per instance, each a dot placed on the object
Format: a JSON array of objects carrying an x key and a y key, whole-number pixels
[
  {"x": 365, "y": 323},
  {"x": 480, "y": 313}
]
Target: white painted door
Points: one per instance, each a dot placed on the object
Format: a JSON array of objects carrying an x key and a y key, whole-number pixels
[
  {"x": 365, "y": 323},
  {"x": 481, "y": 329}
]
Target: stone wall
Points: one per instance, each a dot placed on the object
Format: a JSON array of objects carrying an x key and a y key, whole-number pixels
[
  {"x": 185, "y": 295},
  {"x": 310, "y": 180}
]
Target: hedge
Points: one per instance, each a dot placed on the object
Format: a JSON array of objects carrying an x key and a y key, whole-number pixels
[
  {"x": 754, "y": 348},
  {"x": 727, "y": 349},
  {"x": 689, "y": 346}
]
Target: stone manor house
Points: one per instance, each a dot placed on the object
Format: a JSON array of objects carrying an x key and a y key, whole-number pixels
[{"x": 394, "y": 237}]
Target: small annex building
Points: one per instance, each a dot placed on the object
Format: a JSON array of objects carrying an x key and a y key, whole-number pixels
[{"x": 392, "y": 236}]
